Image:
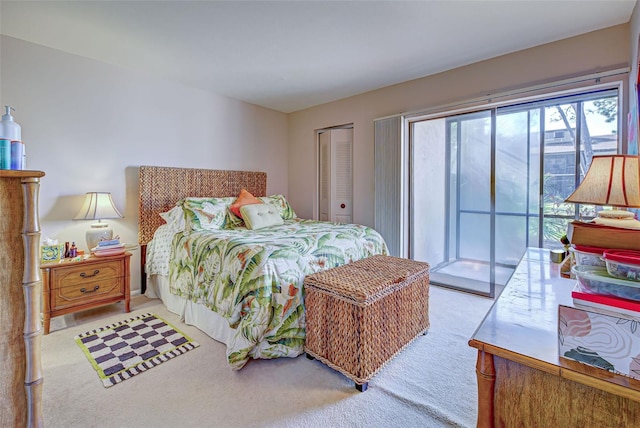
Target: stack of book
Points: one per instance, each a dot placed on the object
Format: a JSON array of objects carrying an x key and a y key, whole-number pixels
[{"x": 109, "y": 247}]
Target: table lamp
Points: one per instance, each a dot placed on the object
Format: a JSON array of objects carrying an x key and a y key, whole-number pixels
[
  {"x": 612, "y": 180},
  {"x": 98, "y": 206}
]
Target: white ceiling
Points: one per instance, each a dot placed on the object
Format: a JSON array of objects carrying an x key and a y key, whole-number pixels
[{"x": 291, "y": 55}]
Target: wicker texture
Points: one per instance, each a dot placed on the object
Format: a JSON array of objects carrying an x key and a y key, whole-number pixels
[
  {"x": 361, "y": 315},
  {"x": 161, "y": 187}
]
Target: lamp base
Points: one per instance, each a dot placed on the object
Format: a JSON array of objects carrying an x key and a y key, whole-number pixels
[{"x": 98, "y": 232}]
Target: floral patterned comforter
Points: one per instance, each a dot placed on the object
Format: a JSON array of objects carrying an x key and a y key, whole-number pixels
[{"x": 254, "y": 279}]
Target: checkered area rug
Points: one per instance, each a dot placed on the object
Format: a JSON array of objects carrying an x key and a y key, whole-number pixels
[{"x": 122, "y": 350}]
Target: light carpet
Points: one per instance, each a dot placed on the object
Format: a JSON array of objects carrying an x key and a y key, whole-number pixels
[{"x": 432, "y": 383}]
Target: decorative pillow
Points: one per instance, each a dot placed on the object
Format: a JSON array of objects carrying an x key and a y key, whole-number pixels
[
  {"x": 205, "y": 213},
  {"x": 233, "y": 221},
  {"x": 245, "y": 198},
  {"x": 281, "y": 204},
  {"x": 257, "y": 216},
  {"x": 174, "y": 219}
]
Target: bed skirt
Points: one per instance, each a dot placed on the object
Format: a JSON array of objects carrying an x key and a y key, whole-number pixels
[{"x": 190, "y": 313}]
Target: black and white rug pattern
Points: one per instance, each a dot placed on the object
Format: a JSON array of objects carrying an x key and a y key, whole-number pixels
[{"x": 122, "y": 350}]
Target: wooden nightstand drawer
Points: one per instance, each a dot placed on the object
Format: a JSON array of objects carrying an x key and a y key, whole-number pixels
[
  {"x": 80, "y": 274},
  {"x": 74, "y": 286},
  {"x": 87, "y": 292}
]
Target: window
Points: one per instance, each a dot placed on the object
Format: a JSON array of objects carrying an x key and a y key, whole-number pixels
[{"x": 502, "y": 174}]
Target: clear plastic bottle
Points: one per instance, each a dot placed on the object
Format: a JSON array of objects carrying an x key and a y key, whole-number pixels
[
  {"x": 9, "y": 129},
  {"x": 10, "y": 132}
]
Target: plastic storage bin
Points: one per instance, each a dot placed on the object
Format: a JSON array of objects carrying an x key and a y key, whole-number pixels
[
  {"x": 624, "y": 264},
  {"x": 597, "y": 280},
  {"x": 588, "y": 256}
]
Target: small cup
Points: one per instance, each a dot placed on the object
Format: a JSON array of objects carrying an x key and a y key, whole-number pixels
[
  {"x": 17, "y": 154},
  {"x": 556, "y": 256}
]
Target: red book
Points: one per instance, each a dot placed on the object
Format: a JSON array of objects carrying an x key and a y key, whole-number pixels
[
  {"x": 597, "y": 235},
  {"x": 610, "y": 304}
]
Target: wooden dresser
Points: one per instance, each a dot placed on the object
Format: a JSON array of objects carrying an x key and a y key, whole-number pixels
[
  {"x": 73, "y": 286},
  {"x": 21, "y": 378},
  {"x": 522, "y": 382}
]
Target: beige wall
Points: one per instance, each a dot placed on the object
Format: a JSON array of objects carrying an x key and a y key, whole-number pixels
[
  {"x": 597, "y": 51},
  {"x": 89, "y": 125}
]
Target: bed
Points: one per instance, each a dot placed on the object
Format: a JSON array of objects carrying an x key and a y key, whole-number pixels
[{"x": 242, "y": 286}]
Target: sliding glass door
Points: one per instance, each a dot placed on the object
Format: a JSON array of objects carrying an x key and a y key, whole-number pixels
[{"x": 485, "y": 185}]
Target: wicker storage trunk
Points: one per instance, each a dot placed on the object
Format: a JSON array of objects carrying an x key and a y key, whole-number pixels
[{"x": 361, "y": 315}]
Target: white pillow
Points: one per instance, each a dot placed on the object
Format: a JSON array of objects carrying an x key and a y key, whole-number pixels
[
  {"x": 281, "y": 204},
  {"x": 174, "y": 219},
  {"x": 257, "y": 216}
]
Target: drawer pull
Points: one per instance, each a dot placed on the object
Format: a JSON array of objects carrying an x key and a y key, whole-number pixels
[
  {"x": 95, "y": 272},
  {"x": 84, "y": 290}
]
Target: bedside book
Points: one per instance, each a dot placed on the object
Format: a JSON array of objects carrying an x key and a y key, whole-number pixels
[
  {"x": 108, "y": 247},
  {"x": 108, "y": 242},
  {"x": 608, "y": 304},
  {"x": 108, "y": 250}
]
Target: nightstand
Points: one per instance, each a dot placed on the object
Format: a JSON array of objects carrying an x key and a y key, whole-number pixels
[{"x": 73, "y": 286}]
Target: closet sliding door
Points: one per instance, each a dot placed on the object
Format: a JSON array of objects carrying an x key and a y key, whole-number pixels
[{"x": 335, "y": 152}]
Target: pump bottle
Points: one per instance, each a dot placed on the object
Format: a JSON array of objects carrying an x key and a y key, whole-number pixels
[
  {"x": 9, "y": 129},
  {"x": 11, "y": 145}
]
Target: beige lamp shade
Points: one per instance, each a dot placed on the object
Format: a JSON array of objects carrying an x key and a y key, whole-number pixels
[
  {"x": 611, "y": 180},
  {"x": 98, "y": 206}
]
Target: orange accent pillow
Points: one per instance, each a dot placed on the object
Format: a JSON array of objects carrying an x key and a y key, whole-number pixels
[{"x": 245, "y": 198}]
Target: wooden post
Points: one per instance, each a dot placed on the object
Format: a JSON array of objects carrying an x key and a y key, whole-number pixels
[
  {"x": 486, "y": 374},
  {"x": 20, "y": 331},
  {"x": 32, "y": 289}
]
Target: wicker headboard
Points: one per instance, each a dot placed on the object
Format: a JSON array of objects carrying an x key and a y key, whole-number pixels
[{"x": 161, "y": 187}]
